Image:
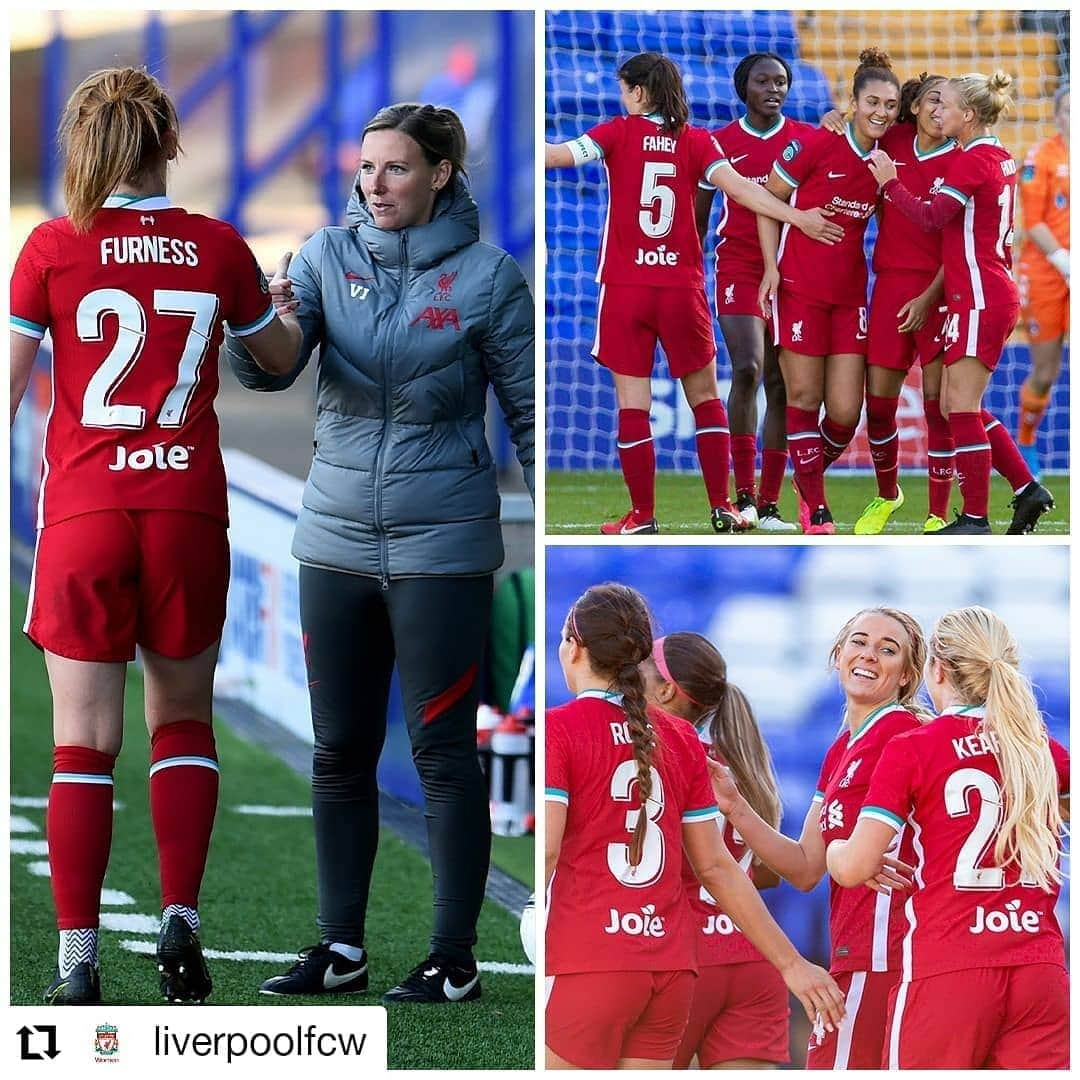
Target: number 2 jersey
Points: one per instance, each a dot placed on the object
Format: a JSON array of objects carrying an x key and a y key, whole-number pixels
[
  {"x": 943, "y": 783},
  {"x": 650, "y": 236},
  {"x": 135, "y": 308},
  {"x": 865, "y": 927},
  {"x": 603, "y": 914}
]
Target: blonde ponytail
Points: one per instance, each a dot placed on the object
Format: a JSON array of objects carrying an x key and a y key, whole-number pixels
[
  {"x": 983, "y": 662},
  {"x": 111, "y": 133},
  {"x": 987, "y": 95}
]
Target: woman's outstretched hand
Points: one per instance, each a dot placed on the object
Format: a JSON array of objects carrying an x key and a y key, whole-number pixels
[{"x": 281, "y": 293}]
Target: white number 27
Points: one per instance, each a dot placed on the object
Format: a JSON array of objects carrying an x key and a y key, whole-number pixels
[{"x": 99, "y": 410}]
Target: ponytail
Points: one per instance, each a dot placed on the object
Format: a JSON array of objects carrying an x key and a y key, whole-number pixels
[
  {"x": 734, "y": 732},
  {"x": 111, "y": 133},
  {"x": 983, "y": 663},
  {"x": 694, "y": 666},
  {"x": 629, "y": 683},
  {"x": 613, "y": 623},
  {"x": 663, "y": 85},
  {"x": 986, "y": 95}
]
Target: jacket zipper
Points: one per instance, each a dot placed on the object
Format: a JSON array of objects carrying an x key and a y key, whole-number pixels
[{"x": 380, "y": 456}]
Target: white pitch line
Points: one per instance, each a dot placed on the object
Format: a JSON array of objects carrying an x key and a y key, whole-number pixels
[
  {"x": 147, "y": 948},
  {"x": 22, "y": 824},
  {"x": 116, "y": 898},
  {"x": 39, "y": 869},
  {"x": 29, "y": 847},
  {"x": 40, "y": 802},
  {"x": 273, "y": 811},
  {"x": 130, "y": 923}
]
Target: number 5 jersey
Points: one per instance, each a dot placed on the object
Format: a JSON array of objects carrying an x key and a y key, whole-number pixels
[
  {"x": 603, "y": 913},
  {"x": 135, "y": 307}
]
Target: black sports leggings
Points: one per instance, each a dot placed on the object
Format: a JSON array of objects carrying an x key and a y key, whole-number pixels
[{"x": 354, "y": 631}]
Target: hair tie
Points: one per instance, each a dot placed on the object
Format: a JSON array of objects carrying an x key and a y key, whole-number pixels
[{"x": 665, "y": 673}]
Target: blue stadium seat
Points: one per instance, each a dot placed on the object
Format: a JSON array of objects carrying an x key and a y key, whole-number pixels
[
  {"x": 811, "y": 94},
  {"x": 672, "y": 33},
  {"x": 736, "y": 33}
]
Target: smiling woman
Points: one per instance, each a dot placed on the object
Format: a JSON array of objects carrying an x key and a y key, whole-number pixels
[{"x": 878, "y": 656}]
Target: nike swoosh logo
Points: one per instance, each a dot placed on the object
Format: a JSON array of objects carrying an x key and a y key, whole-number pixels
[
  {"x": 456, "y": 993},
  {"x": 736, "y": 160},
  {"x": 836, "y": 175},
  {"x": 332, "y": 980},
  {"x": 860, "y": 337}
]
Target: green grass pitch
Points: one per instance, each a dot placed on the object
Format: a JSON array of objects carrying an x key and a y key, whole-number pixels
[
  {"x": 258, "y": 894},
  {"x": 577, "y": 502}
]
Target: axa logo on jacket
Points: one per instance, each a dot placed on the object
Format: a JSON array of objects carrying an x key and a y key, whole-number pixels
[{"x": 438, "y": 318}]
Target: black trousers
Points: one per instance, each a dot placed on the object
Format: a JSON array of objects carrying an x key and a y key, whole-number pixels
[{"x": 434, "y": 629}]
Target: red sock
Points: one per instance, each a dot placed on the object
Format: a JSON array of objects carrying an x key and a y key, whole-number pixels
[
  {"x": 1004, "y": 455},
  {"x": 804, "y": 446},
  {"x": 834, "y": 440},
  {"x": 941, "y": 451},
  {"x": 743, "y": 460},
  {"x": 884, "y": 442},
  {"x": 183, "y": 798},
  {"x": 714, "y": 450},
  {"x": 773, "y": 466},
  {"x": 78, "y": 827},
  {"x": 972, "y": 461},
  {"x": 637, "y": 458}
]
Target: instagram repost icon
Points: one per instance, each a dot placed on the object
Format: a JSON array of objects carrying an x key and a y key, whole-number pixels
[{"x": 106, "y": 1043}]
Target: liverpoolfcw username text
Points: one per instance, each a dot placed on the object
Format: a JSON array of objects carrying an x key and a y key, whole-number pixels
[{"x": 306, "y": 1042}]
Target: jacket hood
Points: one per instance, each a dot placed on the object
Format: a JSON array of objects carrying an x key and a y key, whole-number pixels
[{"x": 455, "y": 223}]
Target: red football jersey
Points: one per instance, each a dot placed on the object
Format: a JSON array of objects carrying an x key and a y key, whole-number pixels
[
  {"x": 750, "y": 153},
  {"x": 650, "y": 237},
  {"x": 135, "y": 308},
  {"x": 865, "y": 927},
  {"x": 977, "y": 244},
  {"x": 944, "y": 782},
  {"x": 899, "y": 246},
  {"x": 827, "y": 170},
  {"x": 719, "y": 939},
  {"x": 603, "y": 914}
]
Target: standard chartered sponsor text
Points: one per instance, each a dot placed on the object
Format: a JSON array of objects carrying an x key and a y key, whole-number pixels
[{"x": 306, "y": 1042}]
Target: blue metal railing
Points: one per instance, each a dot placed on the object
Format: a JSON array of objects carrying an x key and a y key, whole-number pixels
[{"x": 510, "y": 214}]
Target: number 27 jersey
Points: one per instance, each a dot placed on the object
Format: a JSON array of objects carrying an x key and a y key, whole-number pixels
[
  {"x": 135, "y": 309},
  {"x": 603, "y": 914}
]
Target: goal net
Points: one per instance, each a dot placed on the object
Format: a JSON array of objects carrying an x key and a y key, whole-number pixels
[{"x": 584, "y": 49}]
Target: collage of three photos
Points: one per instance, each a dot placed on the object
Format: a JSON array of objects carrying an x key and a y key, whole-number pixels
[{"x": 297, "y": 318}]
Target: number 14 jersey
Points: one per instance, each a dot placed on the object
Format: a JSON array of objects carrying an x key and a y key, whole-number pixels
[
  {"x": 603, "y": 913},
  {"x": 135, "y": 308}
]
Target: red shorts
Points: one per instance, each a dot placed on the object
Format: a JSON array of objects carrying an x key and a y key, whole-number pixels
[
  {"x": 738, "y": 298},
  {"x": 857, "y": 1043},
  {"x": 594, "y": 1019},
  {"x": 105, "y": 582},
  {"x": 981, "y": 334},
  {"x": 739, "y": 1011},
  {"x": 811, "y": 328},
  {"x": 888, "y": 347},
  {"x": 982, "y": 1018},
  {"x": 1044, "y": 306},
  {"x": 631, "y": 319}
]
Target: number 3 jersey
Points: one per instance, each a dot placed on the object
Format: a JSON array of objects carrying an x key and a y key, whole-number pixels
[
  {"x": 865, "y": 927},
  {"x": 944, "y": 784},
  {"x": 604, "y": 914},
  {"x": 135, "y": 308}
]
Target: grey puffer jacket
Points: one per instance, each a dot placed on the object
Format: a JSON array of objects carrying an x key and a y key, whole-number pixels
[{"x": 412, "y": 326}]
